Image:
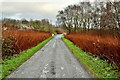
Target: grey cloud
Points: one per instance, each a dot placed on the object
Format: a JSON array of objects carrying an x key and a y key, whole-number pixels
[{"x": 34, "y": 10}]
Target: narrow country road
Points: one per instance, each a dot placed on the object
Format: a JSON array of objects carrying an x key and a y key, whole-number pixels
[{"x": 54, "y": 60}]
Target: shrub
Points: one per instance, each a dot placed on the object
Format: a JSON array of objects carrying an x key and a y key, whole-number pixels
[{"x": 8, "y": 47}]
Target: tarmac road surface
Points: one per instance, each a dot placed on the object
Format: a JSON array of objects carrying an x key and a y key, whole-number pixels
[{"x": 54, "y": 60}]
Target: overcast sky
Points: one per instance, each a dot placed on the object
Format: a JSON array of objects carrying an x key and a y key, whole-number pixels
[{"x": 34, "y": 9}]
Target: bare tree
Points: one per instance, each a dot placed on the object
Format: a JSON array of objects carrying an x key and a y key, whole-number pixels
[{"x": 86, "y": 15}]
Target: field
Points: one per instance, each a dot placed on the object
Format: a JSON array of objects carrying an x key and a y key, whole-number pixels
[
  {"x": 15, "y": 41},
  {"x": 105, "y": 47}
]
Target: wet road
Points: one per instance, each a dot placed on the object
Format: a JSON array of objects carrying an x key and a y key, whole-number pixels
[{"x": 54, "y": 60}]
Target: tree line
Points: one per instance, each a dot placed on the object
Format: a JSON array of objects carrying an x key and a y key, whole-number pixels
[
  {"x": 36, "y": 24},
  {"x": 87, "y": 15},
  {"x": 42, "y": 25}
]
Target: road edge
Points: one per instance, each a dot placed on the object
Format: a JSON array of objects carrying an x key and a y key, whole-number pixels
[
  {"x": 21, "y": 58},
  {"x": 86, "y": 68},
  {"x": 91, "y": 60}
]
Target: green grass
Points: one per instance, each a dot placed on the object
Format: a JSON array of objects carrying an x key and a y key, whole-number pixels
[
  {"x": 12, "y": 62},
  {"x": 99, "y": 68}
]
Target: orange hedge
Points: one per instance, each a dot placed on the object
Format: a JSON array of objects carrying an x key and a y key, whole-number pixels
[
  {"x": 106, "y": 47},
  {"x": 20, "y": 40}
]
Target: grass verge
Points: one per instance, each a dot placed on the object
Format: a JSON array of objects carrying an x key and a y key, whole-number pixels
[
  {"x": 12, "y": 62},
  {"x": 99, "y": 68}
]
